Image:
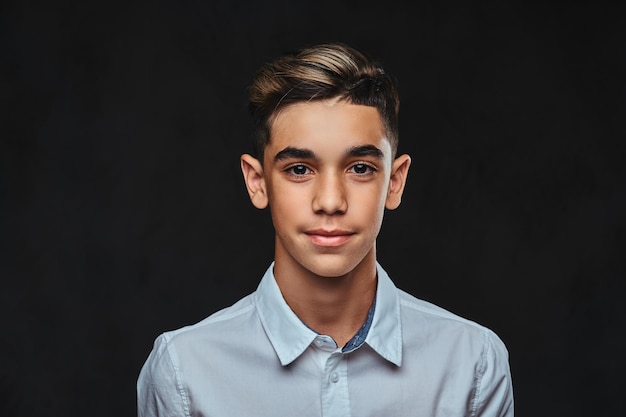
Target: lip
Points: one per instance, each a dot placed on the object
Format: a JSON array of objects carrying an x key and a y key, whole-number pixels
[{"x": 329, "y": 238}]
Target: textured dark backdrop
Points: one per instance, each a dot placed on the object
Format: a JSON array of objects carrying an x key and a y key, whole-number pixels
[{"x": 123, "y": 211}]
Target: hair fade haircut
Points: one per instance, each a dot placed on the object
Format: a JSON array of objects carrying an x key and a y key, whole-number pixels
[{"x": 321, "y": 72}]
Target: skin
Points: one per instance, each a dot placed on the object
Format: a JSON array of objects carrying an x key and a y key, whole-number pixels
[{"x": 328, "y": 175}]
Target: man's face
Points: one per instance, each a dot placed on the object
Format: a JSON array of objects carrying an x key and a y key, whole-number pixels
[{"x": 327, "y": 172}]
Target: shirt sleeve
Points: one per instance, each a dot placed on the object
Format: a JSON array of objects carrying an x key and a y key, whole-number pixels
[
  {"x": 160, "y": 392},
  {"x": 494, "y": 389}
]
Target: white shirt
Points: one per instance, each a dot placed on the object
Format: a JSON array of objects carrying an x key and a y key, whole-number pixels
[{"x": 256, "y": 358}]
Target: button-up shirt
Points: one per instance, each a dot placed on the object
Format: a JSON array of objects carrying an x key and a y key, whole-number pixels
[{"x": 257, "y": 358}]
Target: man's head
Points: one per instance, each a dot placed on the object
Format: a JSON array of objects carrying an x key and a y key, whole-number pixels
[
  {"x": 321, "y": 72},
  {"x": 326, "y": 128}
]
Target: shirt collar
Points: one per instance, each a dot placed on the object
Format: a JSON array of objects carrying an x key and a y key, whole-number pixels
[
  {"x": 385, "y": 335},
  {"x": 290, "y": 337}
]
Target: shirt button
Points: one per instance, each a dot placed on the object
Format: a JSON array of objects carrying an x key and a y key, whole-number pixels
[
  {"x": 319, "y": 342},
  {"x": 334, "y": 377}
]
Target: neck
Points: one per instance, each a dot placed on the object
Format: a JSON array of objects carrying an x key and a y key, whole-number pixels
[{"x": 334, "y": 306}]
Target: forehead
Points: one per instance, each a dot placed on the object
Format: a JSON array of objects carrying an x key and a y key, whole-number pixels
[{"x": 331, "y": 125}]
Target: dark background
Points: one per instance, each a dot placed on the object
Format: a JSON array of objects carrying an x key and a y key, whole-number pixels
[{"x": 124, "y": 214}]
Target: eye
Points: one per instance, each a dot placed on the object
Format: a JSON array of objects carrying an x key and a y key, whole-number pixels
[
  {"x": 362, "y": 168},
  {"x": 298, "y": 170}
]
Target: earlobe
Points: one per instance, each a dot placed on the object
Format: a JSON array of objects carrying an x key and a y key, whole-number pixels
[
  {"x": 397, "y": 181},
  {"x": 255, "y": 182}
]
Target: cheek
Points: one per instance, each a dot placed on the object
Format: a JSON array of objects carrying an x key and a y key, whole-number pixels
[
  {"x": 369, "y": 206},
  {"x": 285, "y": 198},
  {"x": 286, "y": 207}
]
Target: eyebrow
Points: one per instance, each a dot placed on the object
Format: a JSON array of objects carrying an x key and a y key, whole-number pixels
[
  {"x": 301, "y": 153},
  {"x": 366, "y": 150},
  {"x": 294, "y": 153}
]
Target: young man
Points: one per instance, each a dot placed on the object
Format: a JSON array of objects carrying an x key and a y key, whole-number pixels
[{"x": 326, "y": 333}]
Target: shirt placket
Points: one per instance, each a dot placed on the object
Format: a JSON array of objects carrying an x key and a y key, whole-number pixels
[{"x": 335, "y": 397}]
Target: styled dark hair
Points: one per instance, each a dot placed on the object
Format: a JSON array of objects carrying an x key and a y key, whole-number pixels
[{"x": 321, "y": 72}]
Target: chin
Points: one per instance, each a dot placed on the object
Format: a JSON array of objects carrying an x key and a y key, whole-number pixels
[{"x": 331, "y": 268}]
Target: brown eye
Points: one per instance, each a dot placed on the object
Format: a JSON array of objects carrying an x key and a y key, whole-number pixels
[
  {"x": 298, "y": 170},
  {"x": 362, "y": 169}
]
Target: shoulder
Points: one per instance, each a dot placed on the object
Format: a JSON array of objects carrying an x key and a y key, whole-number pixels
[
  {"x": 477, "y": 355},
  {"x": 432, "y": 320},
  {"x": 217, "y": 325},
  {"x": 175, "y": 353}
]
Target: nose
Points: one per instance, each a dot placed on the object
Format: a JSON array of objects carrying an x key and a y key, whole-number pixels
[{"x": 330, "y": 195}]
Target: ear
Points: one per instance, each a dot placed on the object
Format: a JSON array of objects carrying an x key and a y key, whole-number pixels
[
  {"x": 255, "y": 182},
  {"x": 399, "y": 171}
]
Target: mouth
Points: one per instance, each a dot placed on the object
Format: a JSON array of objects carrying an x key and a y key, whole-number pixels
[{"x": 329, "y": 238}]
